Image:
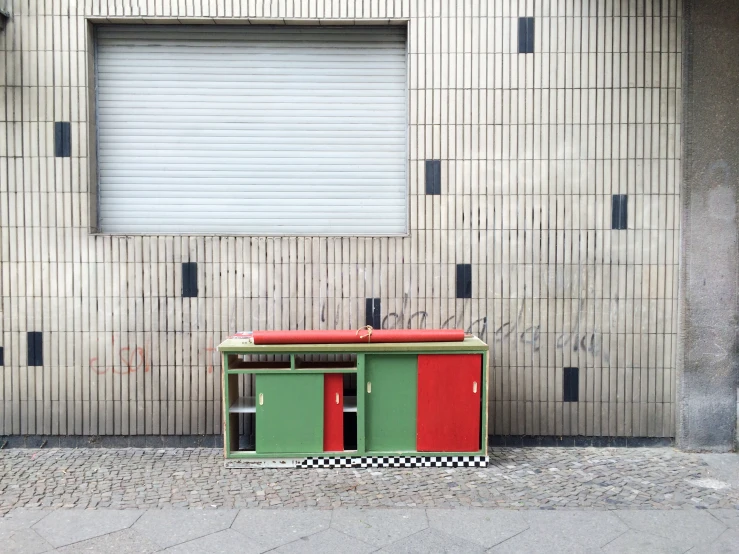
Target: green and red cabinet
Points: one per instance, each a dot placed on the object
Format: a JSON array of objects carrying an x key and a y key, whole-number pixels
[{"x": 410, "y": 398}]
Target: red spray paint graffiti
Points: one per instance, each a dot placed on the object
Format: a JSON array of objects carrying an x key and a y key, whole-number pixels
[
  {"x": 135, "y": 358},
  {"x": 132, "y": 359}
]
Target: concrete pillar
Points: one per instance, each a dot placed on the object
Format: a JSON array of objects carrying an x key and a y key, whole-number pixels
[{"x": 709, "y": 318}]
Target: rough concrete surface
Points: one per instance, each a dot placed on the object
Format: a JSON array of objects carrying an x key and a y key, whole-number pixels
[{"x": 708, "y": 364}]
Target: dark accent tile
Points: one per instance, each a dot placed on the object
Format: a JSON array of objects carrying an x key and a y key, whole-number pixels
[
  {"x": 35, "y": 348},
  {"x": 464, "y": 280},
  {"x": 2, "y": 356},
  {"x": 649, "y": 442},
  {"x": 69, "y": 442},
  {"x": 373, "y": 313},
  {"x": 62, "y": 139},
  {"x": 36, "y": 441},
  {"x": 548, "y": 441},
  {"x": 525, "y": 35},
  {"x": 433, "y": 177},
  {"x": 111, "y": 441},
  {"x": 619, "y": 212},
  {"x": 153, "y": 441},
  {"x": 115, "y": 442},
  {"x": 171, "y": 441},
  {"x": 519, "y": 441},
  {"x": 189, "y": 280},
  {"x": 92, "y": 441},
  {"x": 571, "y": 382},
  {"x": 513, "y": 441}
]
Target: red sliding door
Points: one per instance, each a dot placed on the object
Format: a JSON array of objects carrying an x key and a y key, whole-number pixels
[
  {"x": 449, "y": 409},
  {"x": 333, "y": 412}
]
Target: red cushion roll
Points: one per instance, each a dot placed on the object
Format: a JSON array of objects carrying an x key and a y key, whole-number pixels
[{"x": 363, "y": 335}]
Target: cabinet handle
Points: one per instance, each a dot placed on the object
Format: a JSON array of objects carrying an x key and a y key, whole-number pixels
[
  {"x": 474, "y": 387},
  {"x": 261, "y": 399},
  {"x": 369, "y": 387},
  {"x": 337, "y": 397}
]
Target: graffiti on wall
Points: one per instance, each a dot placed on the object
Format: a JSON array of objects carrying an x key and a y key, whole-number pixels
[
  {"x": 577, "y": 339},
  {"x": 128, "y": 360}
]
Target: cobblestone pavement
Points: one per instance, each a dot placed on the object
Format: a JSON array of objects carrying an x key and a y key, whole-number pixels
[{"x": 604, "y": 478}]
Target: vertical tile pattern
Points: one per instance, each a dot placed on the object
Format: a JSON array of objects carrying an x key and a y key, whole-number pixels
[{"x": 531, "y": 149}]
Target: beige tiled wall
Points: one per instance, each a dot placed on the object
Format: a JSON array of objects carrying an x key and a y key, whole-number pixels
[{"x": 532, "y": 146}]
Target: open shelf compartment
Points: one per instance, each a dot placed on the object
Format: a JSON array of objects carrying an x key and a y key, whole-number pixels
[
  {"x": 244, "y": 405},
  {"x": 328, "y": 362}
]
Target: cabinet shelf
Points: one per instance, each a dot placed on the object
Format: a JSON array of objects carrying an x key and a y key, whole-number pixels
[{"x": 243, "y": 405}]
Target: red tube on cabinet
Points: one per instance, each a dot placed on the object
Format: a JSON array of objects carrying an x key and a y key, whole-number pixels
[{"x": 367, "y": 335}]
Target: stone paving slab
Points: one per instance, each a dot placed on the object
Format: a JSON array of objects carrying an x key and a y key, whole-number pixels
[
  {"x": 227, "y": 542},
  {"x": 486, "y": 528},
  {"x": 686, "y": 527},
  {"x": 379, "y": 527},
  {"x": 637, "y": 542},
  {"x": 727, "y": 516},
  {"x": 379, "y": 530},
  {"x": 432, "y": 540},
  {"x": 326, "y": 541},
  {"x": 126, "y": 541},
  {"x": 63, "y": 527},
  {"x": 591, "y": 530},
  {"x": 727, "y": 543},
  {"x": 602, "y": 478},
  {"x": 273, "y": 528},
  {"x": 171, "y": 527},
  {"x": 25, "y": 541}
]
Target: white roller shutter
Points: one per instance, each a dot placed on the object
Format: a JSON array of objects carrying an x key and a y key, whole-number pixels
[{"x": 252, "y": 130}]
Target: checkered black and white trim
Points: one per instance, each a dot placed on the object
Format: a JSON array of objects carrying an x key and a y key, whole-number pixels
[{"x": 396, "y": 461}]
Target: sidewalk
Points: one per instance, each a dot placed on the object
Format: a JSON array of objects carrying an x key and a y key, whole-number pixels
[{"x": 527, "y": 500}]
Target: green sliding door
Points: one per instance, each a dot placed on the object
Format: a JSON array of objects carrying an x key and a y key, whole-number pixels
[
  {"x": 289, "y": 416},
  {"x": 390, "y": 402}
]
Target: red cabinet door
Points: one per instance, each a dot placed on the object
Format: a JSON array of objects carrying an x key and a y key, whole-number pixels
[
  {"x": 333, "y": 412},
  {"x": 449, "y": 408}
]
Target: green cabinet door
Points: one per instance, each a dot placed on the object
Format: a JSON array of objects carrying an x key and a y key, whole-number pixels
[
  {"x": 390, "y": 402},
  {"x": 289, "y": 416}
]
